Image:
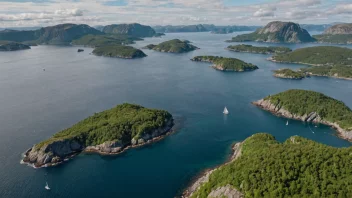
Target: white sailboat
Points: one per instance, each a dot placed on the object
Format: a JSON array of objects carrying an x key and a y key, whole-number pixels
[
  {"x": 287, "y": 123},
  {"x": 226, "y": 111},
  {"x": 47, "y": 186}
]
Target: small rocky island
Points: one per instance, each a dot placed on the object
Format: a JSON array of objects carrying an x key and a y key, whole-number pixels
[
  {"x": 12, "y": 46},
  {"x": 108, "y": 132},
  {"x": 289, "y": 74},
  {"x": 337, "y": 34},
  {"x": 262, "y": 166},
  {"x": 277, "y": 32},
  {"x": 258, "y": 50},
  {"x": 173, "y": 46},
  {"x": 310, "y": 106},
  {"x": 226, "y": 64},
  {"x": 119, "y": 51},
  {"x": 317, "y": 56}
]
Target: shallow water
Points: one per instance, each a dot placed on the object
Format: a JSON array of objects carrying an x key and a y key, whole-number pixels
[{"x": 35, "y": 104}]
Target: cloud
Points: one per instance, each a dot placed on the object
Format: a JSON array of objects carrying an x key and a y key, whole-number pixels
[
  {"x": 69, "y": 12},
  {"x": 341, "y": 9},
  {"x": 265, "y": 12}
]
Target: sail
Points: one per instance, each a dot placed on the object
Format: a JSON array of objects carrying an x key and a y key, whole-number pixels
[
  {"x": 226, "y": 111},
  {"x": 287, "y": 123}
]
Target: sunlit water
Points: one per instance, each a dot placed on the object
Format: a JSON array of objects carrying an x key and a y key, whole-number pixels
[{"x": 35, "y": 104}]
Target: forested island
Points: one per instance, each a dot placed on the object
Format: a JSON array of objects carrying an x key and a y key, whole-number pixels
[
  {"x": 277, "y": 32},
  {"x": 289, "y": 74},
  {"x": 258, "y": 50},
  {"x": 133, "y": 29},
  {"x": 119, "y": 51},
  {"x": 108, "y": 132},
  {"x": 12, "y": 46},
  {"x": 317, "y": 56},
  {"x": 336, "y": 71},
  {"x": 173, "y": 46},
  {"x": 106, "y": 39},
  {"x": 226, "y": 64},
  {"x": 261, "y": 166},
  {"x": 310, "y": 106},
  {"x": 337, "y": 34}
]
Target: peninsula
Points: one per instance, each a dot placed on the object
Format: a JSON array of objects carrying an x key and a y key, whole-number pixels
[
  {"x": 12, "y": 46},
  {"x": 119, "y": 51},
  {"x": 277, "y": 32},
  {"x": 261, "y": 166},
  {"x": 289, "y": 74},
  {"x": 310, "y": 106},
  {"x": 108, "y": 132},
  {"x": 173, "y": 46},
  {"x": 317, "y": 56},
  {"x": 226, "y": 64},
  {"x": 258, "y": 50},
  {"x": 336, "y": 71}
]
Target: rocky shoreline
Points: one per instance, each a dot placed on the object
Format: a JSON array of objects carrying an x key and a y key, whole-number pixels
[
  {"x": 312, "y": 117},
  {"x": 300, "y": 63},
  {"x": 204, "y": 177},
  {"x": 60, "y": 151}
]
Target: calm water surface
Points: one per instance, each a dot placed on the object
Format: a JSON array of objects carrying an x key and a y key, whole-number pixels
[{"x": 35, "y": 104}]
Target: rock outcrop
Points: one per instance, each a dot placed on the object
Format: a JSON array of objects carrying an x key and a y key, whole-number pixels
[
  {"x": 58, "y": 151},
  {"x": 277, "y": 32},
  {"x": 311, "y": 117},
  {"x": 134, "y": 29},
  {"x": 345, "y": 28},
  {"x": 13, "y": 46},
  {"x": 226, "y": 191}
]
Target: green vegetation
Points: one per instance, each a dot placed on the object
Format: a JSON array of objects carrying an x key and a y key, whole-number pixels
[
  {"x": 303, "y": 102},
  {"x": 134, "y": 29},
  {"x": 12, "y": 46},
  {"x": 259, "y": 50},
  {"x": 298, "y": 168},
  {"x": 288, "y": 73},
  {"x": 173, "y": 46},
  {"x": 317, "y": 56},
  {"x": 101, "y": 40},
  {"x": 334, "y": 38},
  {"x": 339, "y": 71},
  {"x": 226, "y": 64},
  {"x": 119, "y": 51},
  {"x": 121, "y": 123}
]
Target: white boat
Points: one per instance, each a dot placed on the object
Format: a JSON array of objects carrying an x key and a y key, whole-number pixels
[
  {"x": 287, "y": 123},
  {"x": 226, "y": 111},
  {"x": 47, "y": 186}
]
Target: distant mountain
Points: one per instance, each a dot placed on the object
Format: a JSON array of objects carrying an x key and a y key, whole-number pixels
[
  {"x": 57, "y": 35},
  {"x": 99, "y": 27},
  {"x": 134, "y": 29},
  {"x": 277, "y": 32},
  {"x": 20, "y": 28},
  {"x": 315, "y": 27},
  {"x": 181, "y": 28},
  {"x": 345, "y": 28},
  {"x": 231, "y": 29}
]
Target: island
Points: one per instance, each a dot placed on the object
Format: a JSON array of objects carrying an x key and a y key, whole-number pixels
[
  {"x": 226, "y": 64},
  {"x": 180, "y": 28},
  {"x": 103, "y": 40},
  {"x": 262, "y": 166},
  {"x": 317, "y": 56},
  {"x": 119, "y": 51},
  {"x": 12, "y": 46},
  {"x": 289, "y": 74},
  {"x": 108, "y": 132},
  {"x": 134, "y": 29},
  {"x": 173, "y": 46},
  {"x": 310, "y": 106},
  {"x": 277, "y": 32},
  {"x": 80, "y": 50},
  {"x": 337, "y": 34},
  {"x": 258, "y": 50},
  {"x": 336, "y": 71}
]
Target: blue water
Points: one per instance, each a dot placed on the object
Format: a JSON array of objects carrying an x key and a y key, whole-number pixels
[{"x": 35, "y": 104}]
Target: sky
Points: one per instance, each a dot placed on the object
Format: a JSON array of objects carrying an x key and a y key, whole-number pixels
[{"x": 29, "y": 13}]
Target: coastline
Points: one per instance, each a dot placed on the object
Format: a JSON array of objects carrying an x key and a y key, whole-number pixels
[
  {"x": 203, "y": 177},
  {"x": 97, "y": 149},
  {"x": 312, "y": 117},
  {"x": 298, "y": 63}
]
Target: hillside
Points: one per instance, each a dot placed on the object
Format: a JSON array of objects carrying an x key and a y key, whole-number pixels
[
  {"x": 277, "y": 32},
  {"x": 344, "y": 28},
  {"x": 110, "y": 131},
  {"x": 134, "y": 29},
  {"x": 264, "y": 167},
  {"x": 226, "y": 64},
  {"x": 12, "y": 46},
  {"x": 107, "y": 39},
  {"x": 317, "y": 56},
  {"x": 337, "y": 71}
]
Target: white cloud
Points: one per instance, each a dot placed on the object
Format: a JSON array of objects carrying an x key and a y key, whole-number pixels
[
  {"x": 69, "y": 12},
  {"x": 265, "y": 12},
  {"x": 341, "y": 9}
]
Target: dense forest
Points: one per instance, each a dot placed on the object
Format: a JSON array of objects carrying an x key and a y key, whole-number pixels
[
  {"x": 296, "y": 168},
  {"x": 173, "y": 46},
  {"x": 339, "y": 71},
  {"x": 288, "y": 73},
  {"x": 121, "y": 123},
  {"x": 119, "y": 51}
]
